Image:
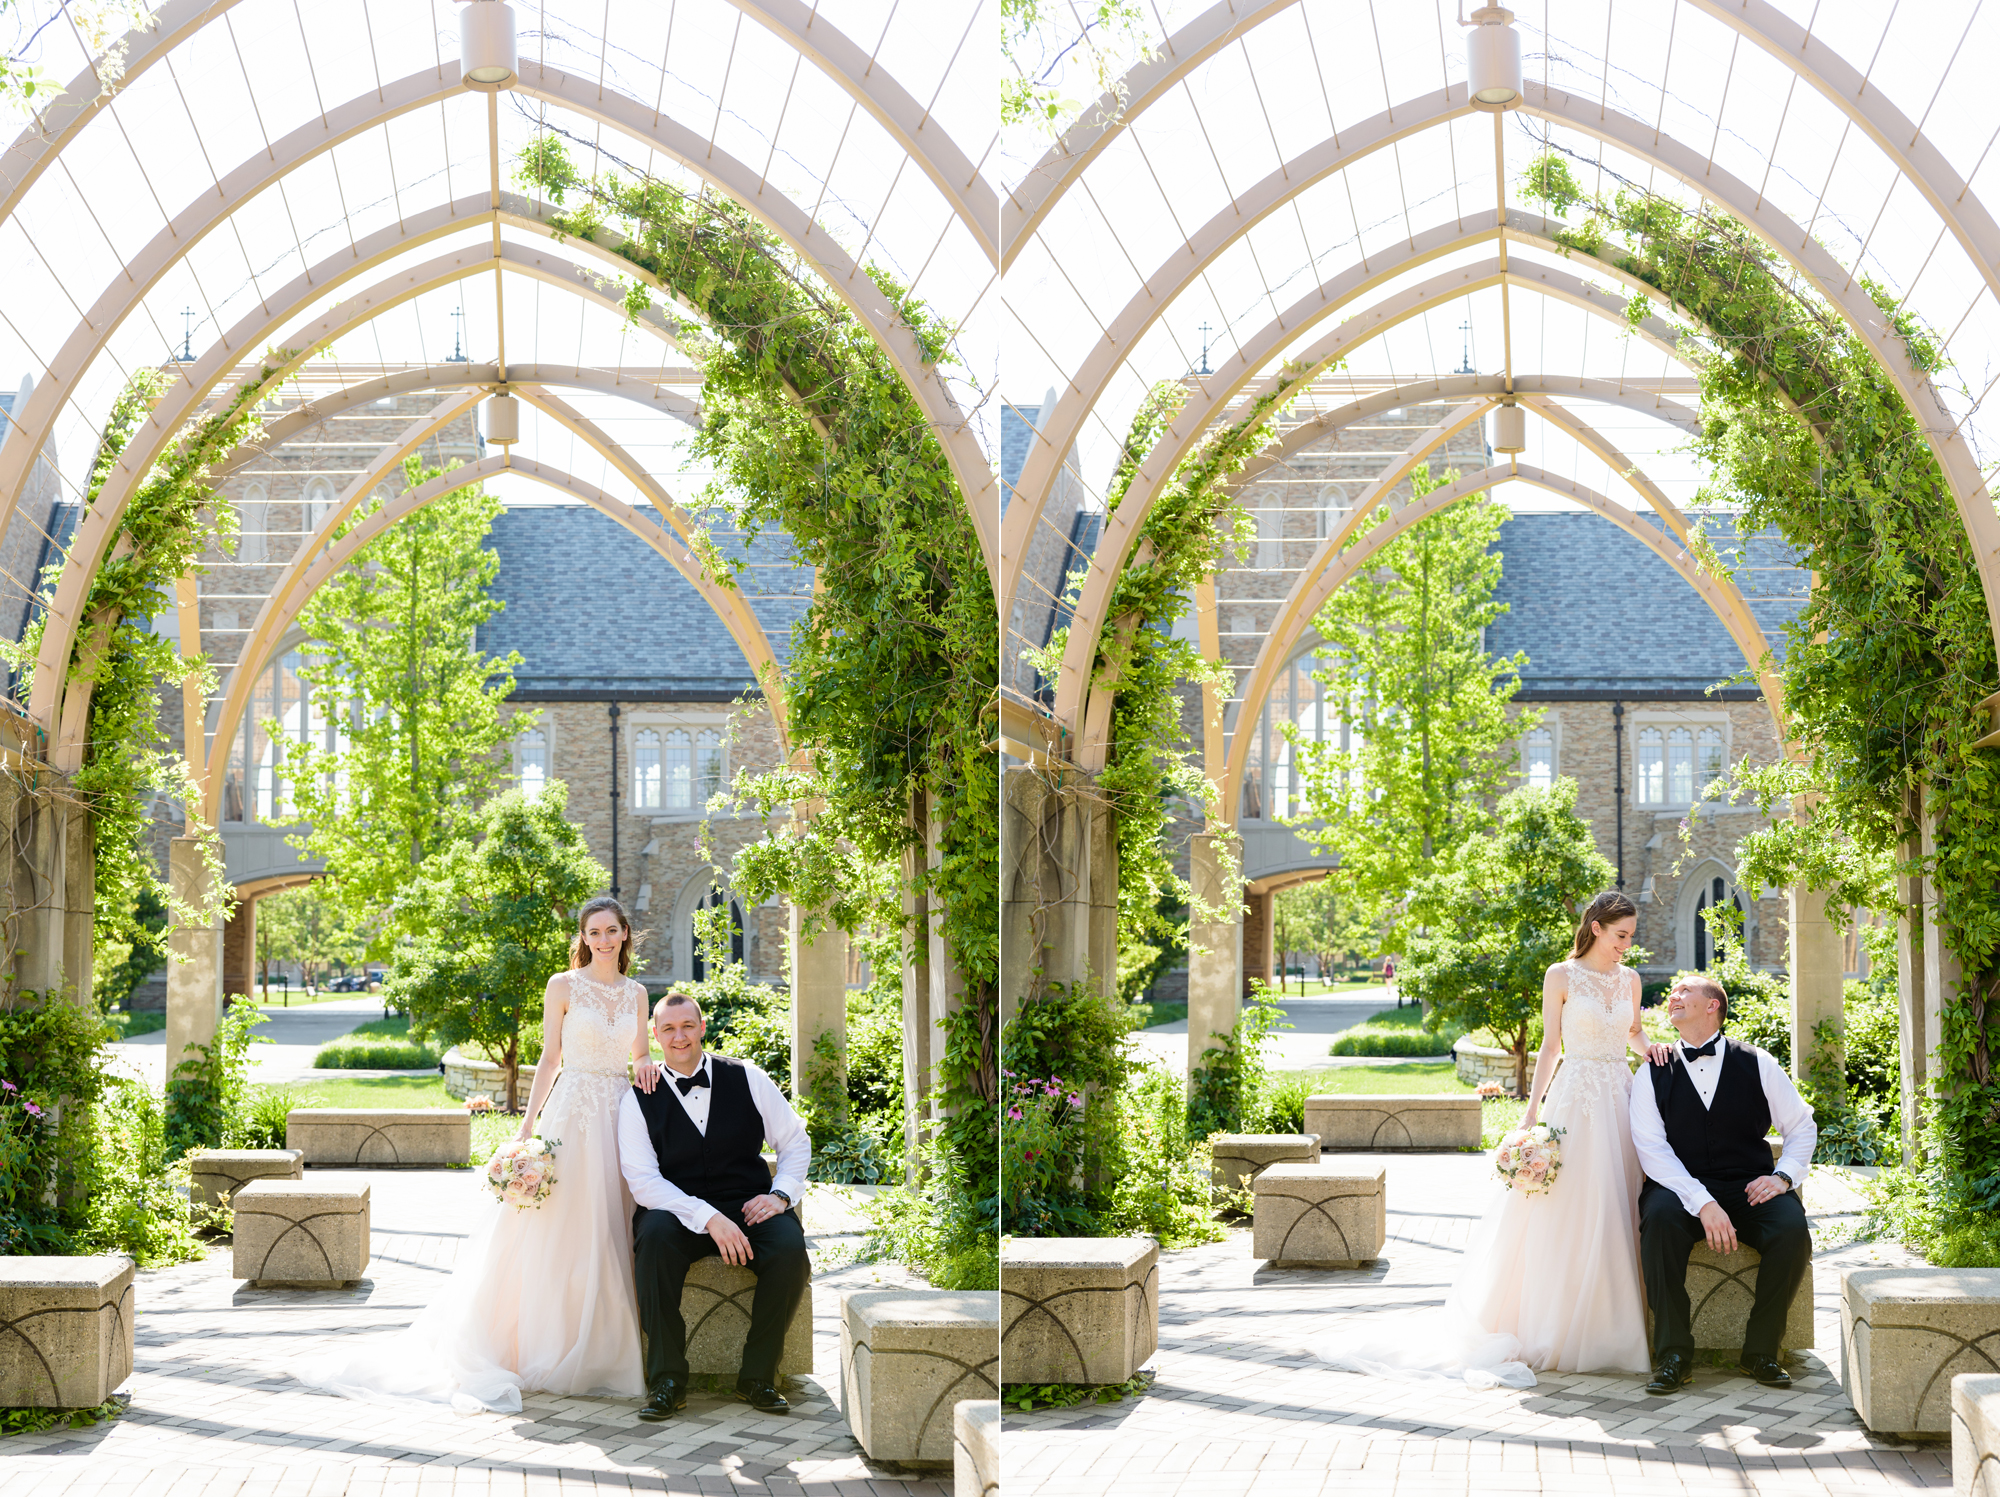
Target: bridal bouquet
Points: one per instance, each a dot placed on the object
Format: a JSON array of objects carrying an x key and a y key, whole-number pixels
[
  {"x": 521, "y": 1172},
  {"x": 1528, "y": 1158}
]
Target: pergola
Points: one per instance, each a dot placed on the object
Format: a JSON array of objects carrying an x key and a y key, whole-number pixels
[
  {"x": 332, "y": 187},
  {"x": 1291, "y": 189}
]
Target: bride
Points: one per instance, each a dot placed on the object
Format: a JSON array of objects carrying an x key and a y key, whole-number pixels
[
  {"x": 1551, "y": 1281},
  {"x": 543, "y": 1297}
]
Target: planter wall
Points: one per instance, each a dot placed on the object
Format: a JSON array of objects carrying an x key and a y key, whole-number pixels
[{"x": 467, "y": 1076}]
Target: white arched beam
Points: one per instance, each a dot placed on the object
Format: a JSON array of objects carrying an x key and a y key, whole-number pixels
[
  {"x": 100, "y": 523},
  {"x": 1210, "y": 401},
  {"x": 814, "y": 247},
  {"x": 1279, "y": 645},
  {"x": 314, "y": 564}
]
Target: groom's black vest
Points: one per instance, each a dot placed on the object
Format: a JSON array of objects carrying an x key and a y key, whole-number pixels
[
  {"x": 1725, "y": 1140},
  {"x": 722, "y": 1167}
]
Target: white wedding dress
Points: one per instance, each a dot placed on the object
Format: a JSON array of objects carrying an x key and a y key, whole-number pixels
[
  {"x": 542, "y": 1297},
  {"x": 1551, "y": 1281}
]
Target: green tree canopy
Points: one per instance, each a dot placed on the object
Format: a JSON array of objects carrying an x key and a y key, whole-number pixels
[
  {"x": 1496, "y": 915},
  {"x": 1405, "y": 663},
  {"x": 306, "y": 925},
  {"x": 1323, "y": 919},
  {"x": 495, "y": 918},
  {"x": 394, "y": 661}
]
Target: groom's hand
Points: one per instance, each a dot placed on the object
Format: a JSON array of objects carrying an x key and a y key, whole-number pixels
[
  {"x": 1718, "y": 1228},
  {"x": 729, "y": 1239},
  {"x": 1764, "y": 1188},
  {"x": 762, "y": 1209}
]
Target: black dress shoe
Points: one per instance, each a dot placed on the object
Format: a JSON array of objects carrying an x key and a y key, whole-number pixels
[
  {"x": 1674, "y": 1372},
  {"x": 761, "y": 1396},
  {"x": 1765, "y": 1369},
  {"x": 668, "y": 1399}
]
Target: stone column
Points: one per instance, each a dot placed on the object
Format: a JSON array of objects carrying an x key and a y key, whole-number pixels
[
  {"x": 80, "y": 899},
  {"x": 819, "y": 997},
  {"x": 1912, "y": 1056},
  {"x": 916, "y": 998},
  {"x": 1215, "y": 952},
  {"x": 1818, "y": 973},
  {"x": 1943, "y": 976},
  {"x": 194, "y": 968},
  {"x": 239, "y": 950},
  {"x": 1260, "y": 938},
  {"x": 42, "y": 894},
  {"x": 947, "y": 983}
]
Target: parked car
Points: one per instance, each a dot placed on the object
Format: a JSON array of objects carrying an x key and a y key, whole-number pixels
[{"x": 348, "y": 982}]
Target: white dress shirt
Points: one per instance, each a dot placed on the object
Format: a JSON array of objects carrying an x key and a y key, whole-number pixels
[
  {"x": 1789, "y": 1112},
  {"x": 640, "y": 1164}
]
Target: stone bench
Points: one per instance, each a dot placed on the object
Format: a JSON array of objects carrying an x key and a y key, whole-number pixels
[
  {"x": 380, "y": 1135},
  {"x": 1320, "y": 1216},
  {"x": 1239, "y": 1158},
  {"x": 298, "y": 1234},
  {"x": 217, "y": 1174},
  {"x": 1905, "y": 1333},
  {"x": 1975, "y": 1435},
  {"x": 1722, "y": 1288},
  {"x": 906, "y": 1357},
  {"x": 69, "y": 1330},
  {"x": 975, "y": 1449},
  {"x": 1078, "y": 1309},
  {"x": 715, "y": 1305},
  {"x": 1378, "y": 1124}
]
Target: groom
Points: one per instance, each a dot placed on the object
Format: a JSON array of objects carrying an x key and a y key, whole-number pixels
[
  {"x": 1699, "y": 1129},
  {"x": 689, "y": 1153}
]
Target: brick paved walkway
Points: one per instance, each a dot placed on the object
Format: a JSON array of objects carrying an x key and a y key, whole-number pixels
[
  {"x": 213, "y": 1411},
  {"x": 1235, "y": 1409}
]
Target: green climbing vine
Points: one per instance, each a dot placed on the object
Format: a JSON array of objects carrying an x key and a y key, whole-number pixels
[
  {"x": 893, "y": 666},
  {"x": 1887, "y": 662},
  {"x": 170, "y": 519}
]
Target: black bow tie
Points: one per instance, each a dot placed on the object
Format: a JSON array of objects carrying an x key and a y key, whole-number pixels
[
  {"x": 689, "y": 1083},
  {"x": 1693, "y": 1054}
]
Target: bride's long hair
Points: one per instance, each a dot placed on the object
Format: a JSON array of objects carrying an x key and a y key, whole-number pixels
[
  {"x": 1606, "y": 908},
  {"x": 579, "y": 949}
]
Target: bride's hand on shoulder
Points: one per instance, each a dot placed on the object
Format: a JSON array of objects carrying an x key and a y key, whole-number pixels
[
  {"x": 646, "y": 1075},
  {"x": 1660, "y": 1055}
]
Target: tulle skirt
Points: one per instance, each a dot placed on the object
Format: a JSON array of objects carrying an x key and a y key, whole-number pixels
[
  {"x": 543, "y": 1297},
  {"x": 1551, "y": 1281}
]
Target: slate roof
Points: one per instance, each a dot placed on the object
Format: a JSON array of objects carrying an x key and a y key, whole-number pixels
[{"x": 593, "y": 609}]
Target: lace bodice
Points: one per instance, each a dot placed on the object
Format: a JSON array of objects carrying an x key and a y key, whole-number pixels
[
  {"x": 600, "y": 1025},
  {"x": 1598, "y": 1016}
]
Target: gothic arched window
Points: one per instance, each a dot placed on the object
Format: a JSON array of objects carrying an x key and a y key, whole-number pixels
[
  {"x": 531, "y": 760},
  {"x": 714, "y": 900},
  {"x": 1650, "y": 784},
  {"x": 1538, "y": 757},
  {"x": 678, "y": 772},
  {"x": 646, "y": 770}
]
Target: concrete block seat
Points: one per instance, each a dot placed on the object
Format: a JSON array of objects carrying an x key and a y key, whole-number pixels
[
  {"x": 383, "y": 1136},
  {"x": 1975, "y": 1435},
  {"x": 715, "y": 1305},
  {"x": 1320, "y": 1216},
  {"x": 1722, "y": 1288},
  {"x": 1905, "y": 1333},
  {"x": 68, "y": 1323},
  {"x": 219, "y": 1173},
  {"x": 907, "y": 1357},
  {"x": 300, "y": 1234},
  {"x": 1239, "y": 1158},
  {"x": 1381, "y": 1124},
  {"x": 1078, "y": 1309},
  {"x": 975, "y": 1449}
]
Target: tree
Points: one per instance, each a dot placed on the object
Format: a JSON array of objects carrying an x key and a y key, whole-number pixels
[
  {"x": 393, "y": 662},
  {"x": 308, "y": 926},
  {"x": 1499, "y": 913},
  {"x": 1324, "y": 921},
  {"x": 1406, "y": 666},
  {"x": 495, "y": 918}
]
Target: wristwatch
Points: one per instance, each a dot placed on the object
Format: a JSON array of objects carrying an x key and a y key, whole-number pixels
[
  {"x": 788, "y": 1200},
  {"x": 1790, "y": 1183}
]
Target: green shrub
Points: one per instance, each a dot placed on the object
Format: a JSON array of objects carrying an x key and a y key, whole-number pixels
[
  {"x": 375, "y": 1055},
  {"x": 261, "y": 1125},
  {"x": 749, "y": 1020},
  {"x": 51, "y": 1072},
  {"x": 1375, "y": 1039},
  {"x": 207, "y": 1095},
  {"x": 138, "y": 1201},
  {"x": 1163, "y": 1182},
  {"x": 848, "y": 1155},
  {"x": 1942, "y": 1209},
  {"x": 1224, "y": 1090},
  {"x": 945, "y": 1232}
]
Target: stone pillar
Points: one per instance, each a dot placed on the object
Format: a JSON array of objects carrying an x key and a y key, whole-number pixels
[
  {"x": 41, "y": 894},
  {"x": 916, "y": 997},
  {"x": 194, "y": 968},
  {"x": 80, "y": 899},
  {"x": 239, "y": 950},
  {"x": 1943, "y": 977},
  {"x": 1819, "y": 975},
  {"x": 1912, "y": 1057},
  {"x": 1260, "y": 935},
  {"x": 947, "y": 983},
  {"x": 819, "y": 997},
  {"x": 1215, "y": 951}
]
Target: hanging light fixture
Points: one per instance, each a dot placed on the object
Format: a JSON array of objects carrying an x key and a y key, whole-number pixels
[
  {"x": 503, "y": 420},
  {"x": 1493, "y": 58},
  {"x": 1510, "y": 428},
  {"x": 486, "y": 52}
]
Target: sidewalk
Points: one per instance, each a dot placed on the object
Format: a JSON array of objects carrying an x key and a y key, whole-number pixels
[
  {"x": 294, "y": 1034},
  {"x": 1314, "y": 1022}
]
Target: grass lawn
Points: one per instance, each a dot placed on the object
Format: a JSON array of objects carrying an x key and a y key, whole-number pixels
[
  {"x": 1317, "y": 989},
  {"x": 1152, "y": 1015},
  {"x": 146, "y": 1021},
  {"x": 277, "y": 998}
]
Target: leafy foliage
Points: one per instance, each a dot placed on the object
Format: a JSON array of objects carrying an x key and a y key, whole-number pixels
[
  {"x": 49, "y": 1077},
  {"x": 307, "y": 926},
  {"x": 392, "y": 660},
  {"x": 1405, "y": 666},
  {"x": 1498, "y": 913},
  {"x": 1323, "y": 920},
  {"x": 208, "y": 1089},
  {"x": 1886, "y": 664},
  {"x": 495, "y": 918}
]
